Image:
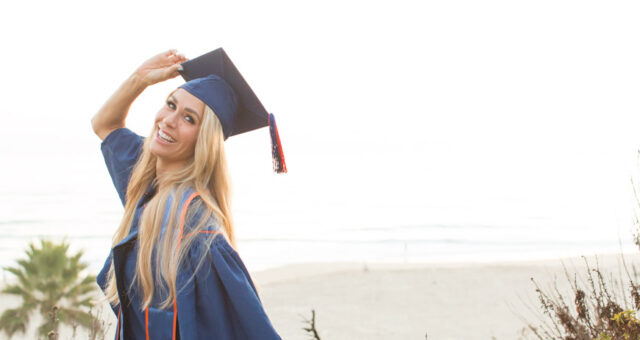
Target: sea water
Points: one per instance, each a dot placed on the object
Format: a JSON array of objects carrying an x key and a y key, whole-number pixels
[{"x": 357, "y": 210}]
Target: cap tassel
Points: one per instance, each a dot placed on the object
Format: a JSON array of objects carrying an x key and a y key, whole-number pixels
[{"x": 279, "y": 165}]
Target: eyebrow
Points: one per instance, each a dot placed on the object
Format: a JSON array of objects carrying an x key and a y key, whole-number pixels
[{"x": 186, "y": 108}]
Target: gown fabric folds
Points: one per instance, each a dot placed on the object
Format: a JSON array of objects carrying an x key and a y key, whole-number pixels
[{"x": 216, "y": 300}]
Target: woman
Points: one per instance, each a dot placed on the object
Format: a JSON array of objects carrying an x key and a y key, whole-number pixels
[{"x": 173, "y": 272}]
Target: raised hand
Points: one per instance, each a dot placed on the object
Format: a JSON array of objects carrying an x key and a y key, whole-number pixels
[{"x": 160, "y": 67}]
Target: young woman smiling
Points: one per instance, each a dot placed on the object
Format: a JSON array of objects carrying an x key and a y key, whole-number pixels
[{"x": 173, "y": 271}]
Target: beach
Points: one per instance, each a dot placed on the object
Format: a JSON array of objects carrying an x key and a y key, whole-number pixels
[
  {"x": 394, "y": 302},
  {"x": 403, "y": 301},
  {"x": 411, "y": 301},
  {"x": 408, "y": 300},
  {"x": 440, "y": 154}
]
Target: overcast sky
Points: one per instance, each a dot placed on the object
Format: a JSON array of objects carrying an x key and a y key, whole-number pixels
[{"x": 415, "y": 112}]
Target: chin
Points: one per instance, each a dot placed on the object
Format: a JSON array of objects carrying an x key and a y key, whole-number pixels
[{"x": 158, "y": 150}]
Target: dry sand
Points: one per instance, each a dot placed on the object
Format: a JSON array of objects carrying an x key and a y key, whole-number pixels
[
  {"x": 409, "y": 301},
  {"x": 406, "y": 301}
]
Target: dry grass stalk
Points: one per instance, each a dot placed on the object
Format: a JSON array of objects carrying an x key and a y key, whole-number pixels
[
  {"x": 599, "y": 309},
  {"x": 312, "y": 324}
]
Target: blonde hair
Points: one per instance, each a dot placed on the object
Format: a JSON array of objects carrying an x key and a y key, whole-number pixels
[{"x": 207, "y": 173}]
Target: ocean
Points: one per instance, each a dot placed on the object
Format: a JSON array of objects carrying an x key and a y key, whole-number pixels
[{"x": 315, "y": 213}]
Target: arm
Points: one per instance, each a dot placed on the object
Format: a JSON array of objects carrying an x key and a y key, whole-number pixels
[
  {"x": 121, "y": 149},
  {"x": 114, "y": 112}
]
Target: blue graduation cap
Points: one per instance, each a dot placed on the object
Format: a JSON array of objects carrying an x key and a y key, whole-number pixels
[{"x": 214, "y": 79}]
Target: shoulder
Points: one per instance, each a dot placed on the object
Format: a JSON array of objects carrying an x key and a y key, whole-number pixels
[
  {"x": 122, "y": 144},
  {"x": 196, "y": 216},
  {"x": 119, "y": 135}
]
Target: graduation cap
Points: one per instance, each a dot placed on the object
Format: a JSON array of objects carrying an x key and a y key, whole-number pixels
[{"x": 214, "y": 79}]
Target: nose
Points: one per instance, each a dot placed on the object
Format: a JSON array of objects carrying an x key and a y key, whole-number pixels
[{"x": 170, "y": 119}]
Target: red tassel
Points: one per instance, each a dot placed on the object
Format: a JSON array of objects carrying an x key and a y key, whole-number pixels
[{"x": 277, "y": 154}]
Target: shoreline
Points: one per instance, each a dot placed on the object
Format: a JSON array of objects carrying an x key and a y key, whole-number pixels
[
  {"x": 397, "y": 300},
  {"x": 303, "y": 269}
]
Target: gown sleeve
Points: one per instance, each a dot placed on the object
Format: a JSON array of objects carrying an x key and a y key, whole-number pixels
[
  {"x": 121, "y": 149},
  {"x": 221, "y": 302}
]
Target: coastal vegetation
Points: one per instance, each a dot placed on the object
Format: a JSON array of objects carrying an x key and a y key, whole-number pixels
[
  {"x": 50, "y": 282},
  {"x": 598, "y": 306}
]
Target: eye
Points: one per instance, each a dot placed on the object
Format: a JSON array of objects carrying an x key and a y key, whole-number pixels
[
  {"x": 190, "y": 119},
  {"x": 171, "y": 104}
]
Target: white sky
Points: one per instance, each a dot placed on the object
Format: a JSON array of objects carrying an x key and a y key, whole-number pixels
[{"x": 415, "y": 112}]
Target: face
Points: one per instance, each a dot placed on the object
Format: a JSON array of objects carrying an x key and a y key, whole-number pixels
[{"x": 176, "y": 128}]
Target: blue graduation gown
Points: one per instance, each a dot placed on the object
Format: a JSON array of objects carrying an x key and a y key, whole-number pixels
[{"x": 220, "y": 302}]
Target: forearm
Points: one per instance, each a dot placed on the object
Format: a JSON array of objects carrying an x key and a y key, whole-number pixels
[{"x": 114, "y": 111}]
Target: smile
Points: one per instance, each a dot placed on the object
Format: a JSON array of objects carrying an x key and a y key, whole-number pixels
[{"x": 163, "y": 136}]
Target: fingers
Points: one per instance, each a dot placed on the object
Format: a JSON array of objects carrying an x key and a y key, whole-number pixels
[
  {"x": 175, "y": 57},
  {"x": 172, "y": 71},
  {"x": 167, "y": 63},
  {"x": 180, "y": 58}
]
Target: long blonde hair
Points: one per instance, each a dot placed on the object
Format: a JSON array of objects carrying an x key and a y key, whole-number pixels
[{"x": 207, "y": 174}]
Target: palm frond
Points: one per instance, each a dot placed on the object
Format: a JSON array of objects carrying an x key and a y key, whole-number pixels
[
  {"x": 14, "y": 321},
  {"x": 49, "y": 276}
]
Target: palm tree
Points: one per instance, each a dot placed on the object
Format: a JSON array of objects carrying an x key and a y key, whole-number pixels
[{"x": 49, "y": 277}]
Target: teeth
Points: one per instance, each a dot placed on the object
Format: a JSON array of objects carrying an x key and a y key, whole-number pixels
[{"x": 165, "y": 137}]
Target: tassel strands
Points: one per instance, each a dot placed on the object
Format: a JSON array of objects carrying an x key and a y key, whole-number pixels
[{"x": 277, "y": 155}]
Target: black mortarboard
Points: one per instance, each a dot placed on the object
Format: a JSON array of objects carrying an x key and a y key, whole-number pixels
[{"x": 214, "y": 79}]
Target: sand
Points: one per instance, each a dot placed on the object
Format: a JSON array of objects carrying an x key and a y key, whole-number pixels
[
  {"x": 411, "y": 301},
  {"x": 406, "y": 300}
]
